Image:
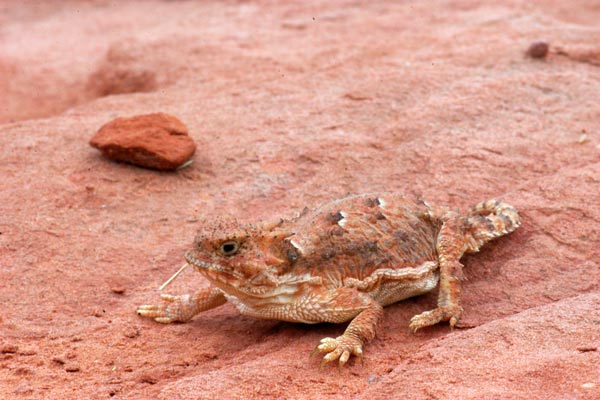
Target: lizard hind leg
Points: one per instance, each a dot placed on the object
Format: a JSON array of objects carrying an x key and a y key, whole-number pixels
[
  {"x": 450, "y": 246},
  {"x": 488, "y": 220},
  {"x": 484, "y": 222}
]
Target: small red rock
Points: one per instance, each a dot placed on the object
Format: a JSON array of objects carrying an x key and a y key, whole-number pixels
[
  {"x": 58, "y": 360},
  {"x": 20, "y": 371},
  {"x": 9, "y": 349},
  {"x": 585, "y": 349},
  {"x": 159, "y": 141},
  {"x": 131, "y": 332},
  {"x": 117, "y": 289},
  {"x": 72, "y": 368},
  {"x": 148, "y": 378},
  {"x": 538, "y": 50}
]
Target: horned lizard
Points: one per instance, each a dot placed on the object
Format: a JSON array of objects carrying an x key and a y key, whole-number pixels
[{"x": 342, "y": 262}]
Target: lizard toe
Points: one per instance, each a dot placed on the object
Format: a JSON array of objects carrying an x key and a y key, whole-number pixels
[
  {"x": 432, "y": 317},
  {"x": 340, "y": 348},
  {"x": 172, "y": 309}
]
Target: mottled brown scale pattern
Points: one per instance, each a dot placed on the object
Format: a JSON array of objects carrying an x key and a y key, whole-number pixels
[{"x": 343, "y": 261}]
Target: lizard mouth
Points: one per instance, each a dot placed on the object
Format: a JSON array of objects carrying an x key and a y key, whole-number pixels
[
  {"x": 194, "y": 262},
  {"x": 227, "y": 279},
  {"x": 206, "y": 266},
  {"x": 214, "y": 272}
]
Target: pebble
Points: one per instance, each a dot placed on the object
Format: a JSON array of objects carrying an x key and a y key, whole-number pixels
[
  {"x": 147, "y": 378},
  {"x": 538, "y": 50},
  {"x": 131, "y": 332},
  {"x": 157, "y": 141},
  {"x": 72, "y": 368},
  {"x": 585, "y": 349},
  {"x": 9, "y": 349},
  {"x": 58, "y": 360},
  {"x": 118, "y": 289}
]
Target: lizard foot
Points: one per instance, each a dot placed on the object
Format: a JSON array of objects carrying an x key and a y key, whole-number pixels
[
  {"x": 432, "y": 317},
  {"x": 172, "y": 309},
  {"x": 340, "y": 348}
]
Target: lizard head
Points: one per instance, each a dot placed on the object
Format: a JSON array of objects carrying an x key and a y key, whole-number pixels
[{"x": 244, "y": 260}]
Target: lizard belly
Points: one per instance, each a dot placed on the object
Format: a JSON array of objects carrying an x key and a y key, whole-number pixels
[
  {"x": 307, "y": 310},
  {"x": 389, "y": 285},
  {"x": 394, "y": 291}
]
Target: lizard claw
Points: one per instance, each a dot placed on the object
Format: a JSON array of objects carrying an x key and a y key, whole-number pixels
[
  {"x": 173, "y": 309},
  {"x": 446, "y": 313},
  {"x": 168, "y": 297},
  {"x": 340, "y": 348}
]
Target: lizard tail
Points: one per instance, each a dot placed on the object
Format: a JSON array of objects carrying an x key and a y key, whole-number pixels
[{"x": 488, "y": 220}]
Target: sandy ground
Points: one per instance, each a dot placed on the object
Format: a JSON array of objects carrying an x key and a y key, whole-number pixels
[{"x": 292, "y": 104}]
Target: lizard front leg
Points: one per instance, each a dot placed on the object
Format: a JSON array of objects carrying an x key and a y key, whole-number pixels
[
  {"x": 359, "y": 332},
  {"x": 450, "y": 248},
  {"x": 182, "y": 308}
]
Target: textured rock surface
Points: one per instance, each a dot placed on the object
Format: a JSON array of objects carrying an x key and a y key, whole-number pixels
[
  {"x": 126, "y": 69},
  {"x": 433, "y": 99},
  {"x": 158, "y": 141}
]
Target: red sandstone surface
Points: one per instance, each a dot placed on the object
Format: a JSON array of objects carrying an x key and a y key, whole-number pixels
[{"x": 292, "y": 104}]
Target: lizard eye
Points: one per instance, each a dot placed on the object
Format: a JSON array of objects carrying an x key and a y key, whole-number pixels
[{"x": 229, "y": 247}]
